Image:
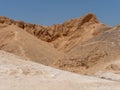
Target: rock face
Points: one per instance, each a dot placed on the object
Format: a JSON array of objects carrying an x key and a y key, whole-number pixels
[{"x": 81, "y": 45}]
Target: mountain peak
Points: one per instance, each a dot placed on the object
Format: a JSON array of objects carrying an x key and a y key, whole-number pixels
[{"x": 89, "y": 18}]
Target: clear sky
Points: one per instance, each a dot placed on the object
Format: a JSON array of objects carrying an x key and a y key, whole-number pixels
[{"x": 48, "y": 12}]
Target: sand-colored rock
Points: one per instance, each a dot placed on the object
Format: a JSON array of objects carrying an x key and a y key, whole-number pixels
[
  {"x": 82, "y": 45},
  {"x": 15, "y": 40},
  {"x": 63, "y": 36},
  {"x": 93, "y": 55}
]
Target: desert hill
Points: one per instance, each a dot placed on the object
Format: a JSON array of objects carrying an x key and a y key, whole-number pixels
[
  {"x": 82, "y": 45},
  {"x": 17, "y": 41},
  {"x": 66, "y": 35},
  {"x": 95, "y": 54}
]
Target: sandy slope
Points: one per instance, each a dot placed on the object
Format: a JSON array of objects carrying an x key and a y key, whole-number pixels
[
  {"x": 15, "y": 40},
  {"x": 18, "y": 74}
]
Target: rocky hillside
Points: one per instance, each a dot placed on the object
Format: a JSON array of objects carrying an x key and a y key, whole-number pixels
[
  {"x": 63, "y": 36},
  {"x": 82, "y": 45},
  {"x": 16, "y": 40}
]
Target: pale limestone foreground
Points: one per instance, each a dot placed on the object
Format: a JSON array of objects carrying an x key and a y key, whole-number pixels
[{"x": 18, "y": 74}]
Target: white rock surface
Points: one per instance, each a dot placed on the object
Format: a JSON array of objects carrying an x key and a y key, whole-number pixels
[{"x": 18, "y": 74}]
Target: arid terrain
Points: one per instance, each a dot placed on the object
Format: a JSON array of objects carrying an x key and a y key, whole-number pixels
[{"x": 79, "y": 54}]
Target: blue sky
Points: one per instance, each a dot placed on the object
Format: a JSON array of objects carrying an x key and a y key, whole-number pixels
[{"x": 48, "y": 12}]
